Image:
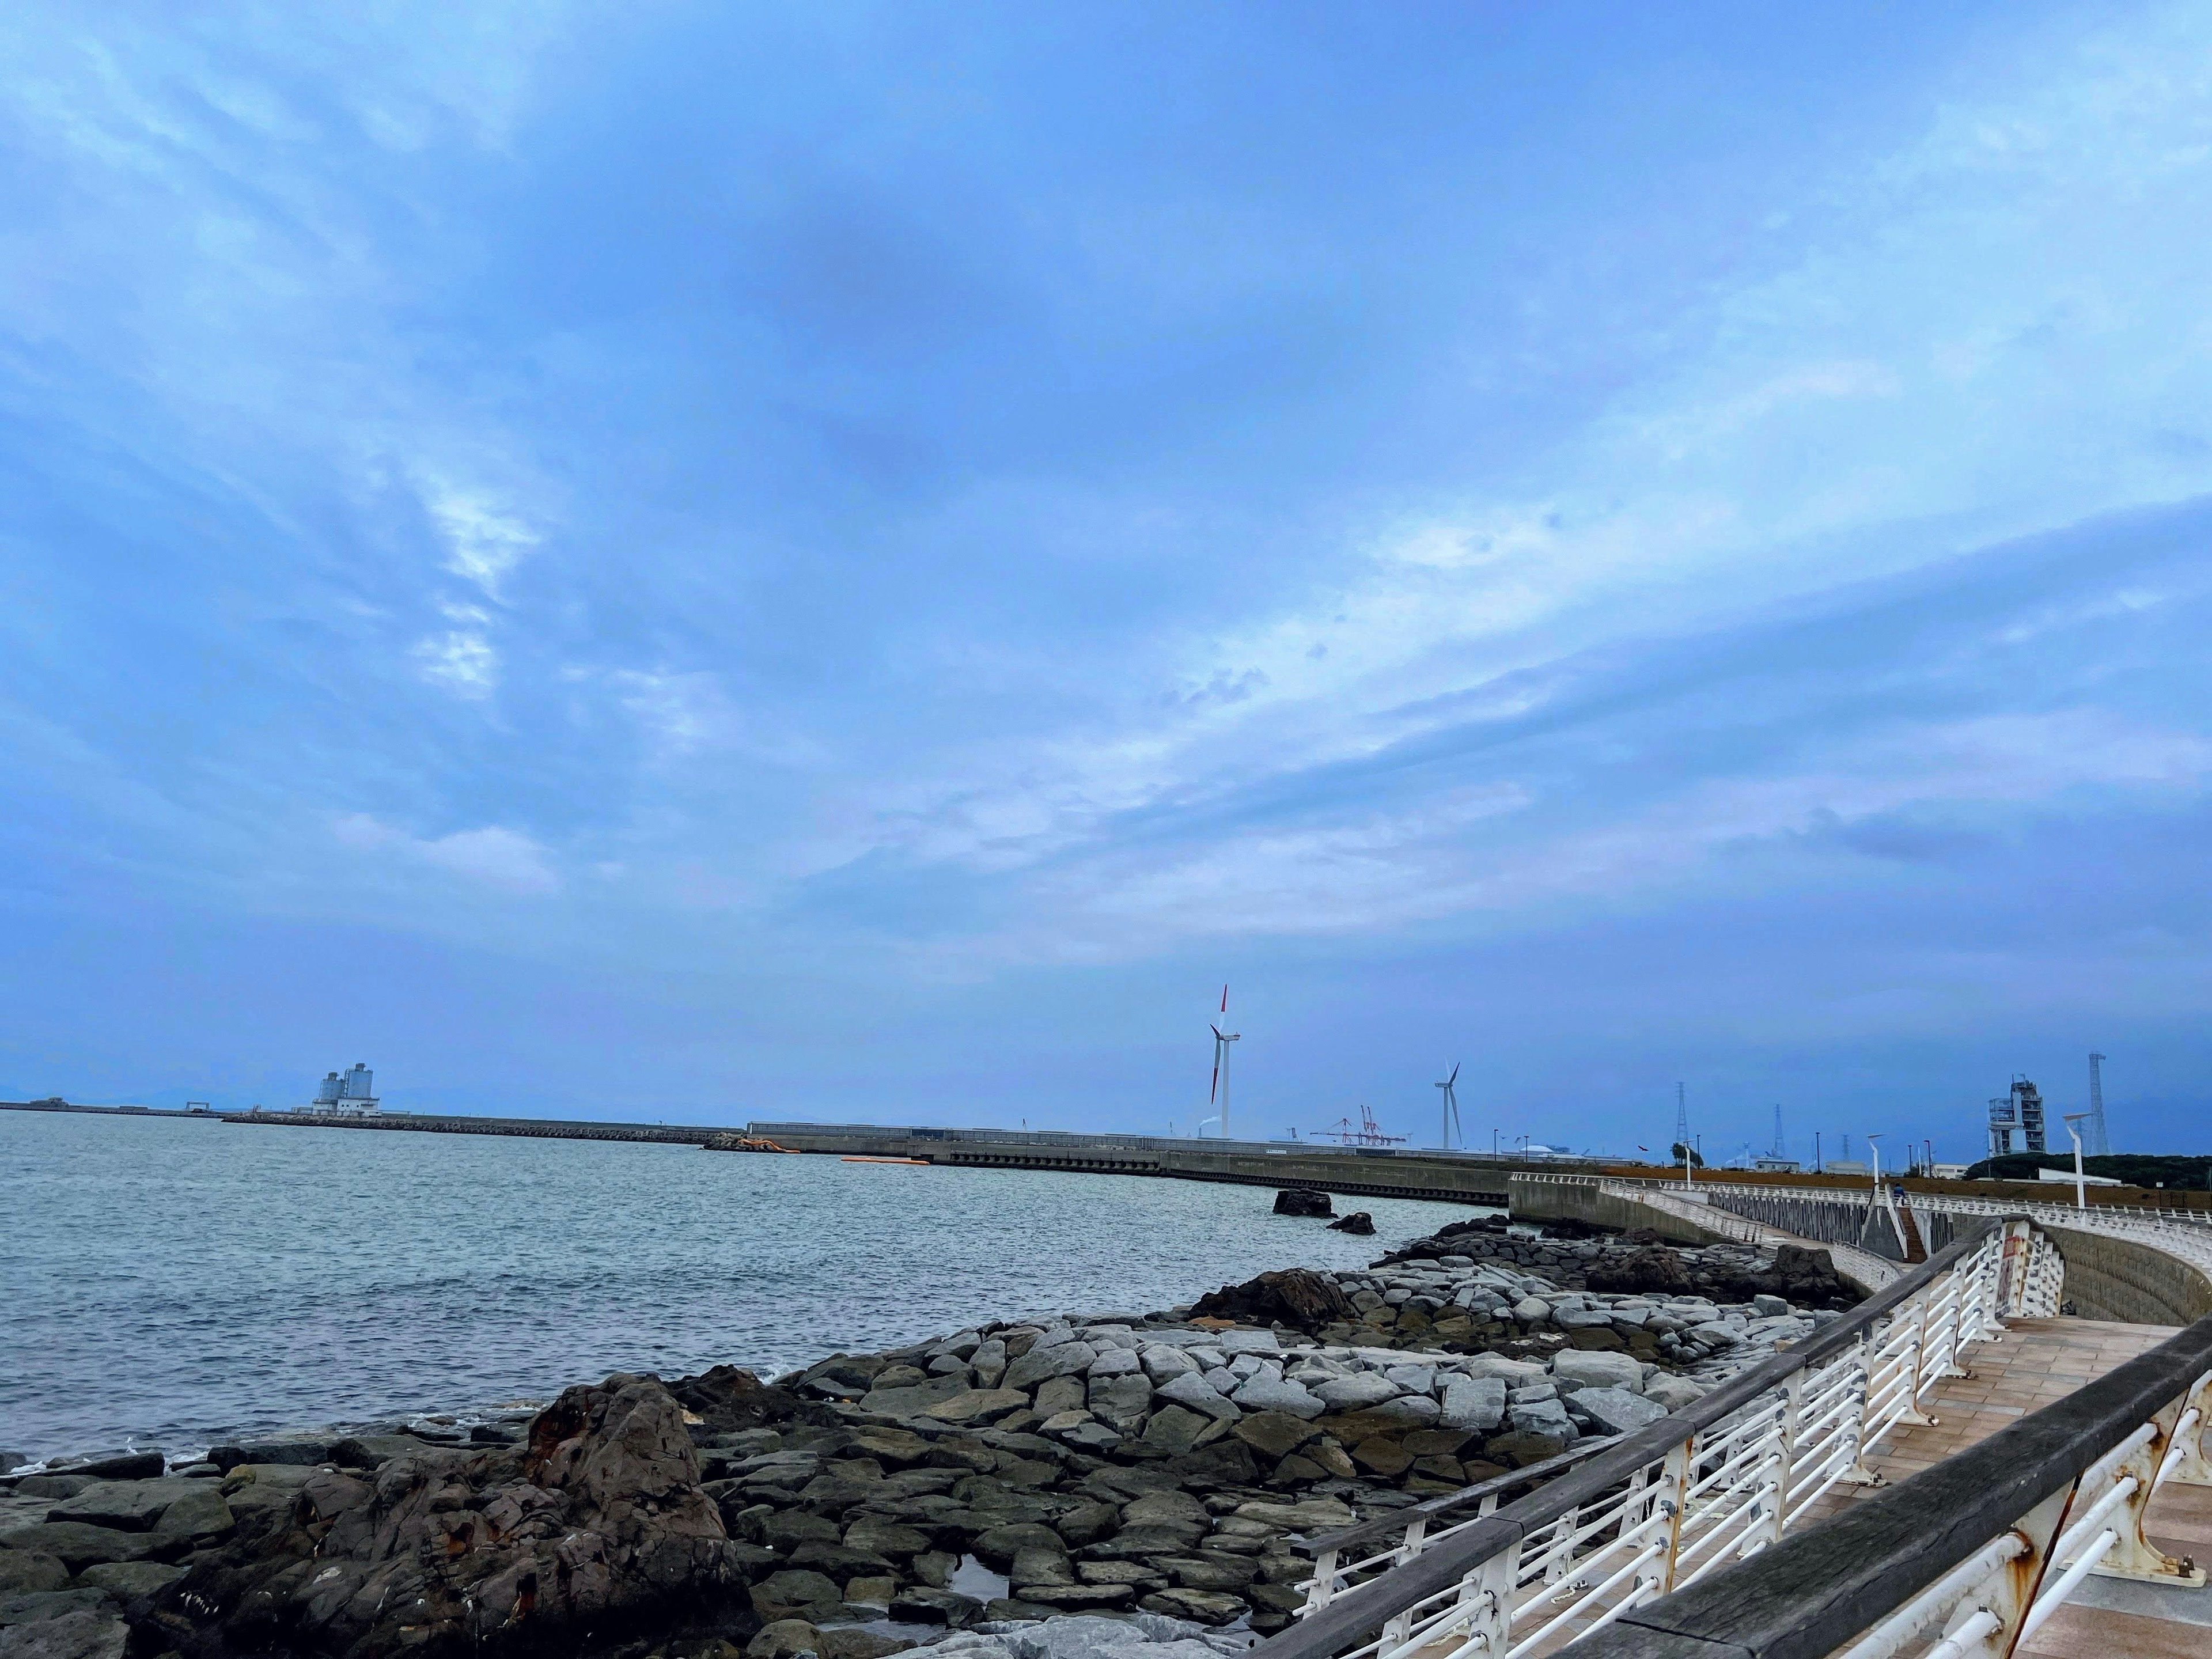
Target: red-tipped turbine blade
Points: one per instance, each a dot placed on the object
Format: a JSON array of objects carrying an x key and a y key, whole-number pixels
[
  {"x": 1216, "y": 1087},
  {"x": 1225, "y": 999}
]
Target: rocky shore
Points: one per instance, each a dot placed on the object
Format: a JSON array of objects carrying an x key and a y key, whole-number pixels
[{"x": 1160, "y": 1468}]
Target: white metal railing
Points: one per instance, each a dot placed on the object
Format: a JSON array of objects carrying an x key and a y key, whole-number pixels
[
  {"x": 1657, "y": 1513},
  {"x": 2184, "y": 1234}
]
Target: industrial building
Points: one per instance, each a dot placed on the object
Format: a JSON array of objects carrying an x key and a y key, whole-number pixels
[
  {"x": 348, "y": 1094},
  {"x": 2017, "y": 1113}
]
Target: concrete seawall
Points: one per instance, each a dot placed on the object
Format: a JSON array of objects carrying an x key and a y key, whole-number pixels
[{"x": 2117, "y": 1279}]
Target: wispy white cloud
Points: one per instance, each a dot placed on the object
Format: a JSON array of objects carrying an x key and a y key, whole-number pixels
[
  {"x": 485, "y": 539},
  {"x": 462, "y": 659},
  {"x": 494, "y": 856}
]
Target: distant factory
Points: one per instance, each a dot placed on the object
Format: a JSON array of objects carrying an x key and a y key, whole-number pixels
[{"x": 348, "y": 1094}]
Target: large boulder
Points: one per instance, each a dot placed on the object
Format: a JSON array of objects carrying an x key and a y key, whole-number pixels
[
  {"x": 1474, "y": 1403},
  {"x": 1302, "y": 1200},
  {"x": 1297, "y": 1296},
  {"x": 1573, "y": 1368},
  {"x": 1614, "y": 1411},
  {"x": 1359, "y": 1223},
  {"x": 1652, "y": 1269},
  {"x": 596, "y": 1528}
]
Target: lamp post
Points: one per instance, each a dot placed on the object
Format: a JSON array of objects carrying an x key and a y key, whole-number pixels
[
  {"x": 2080, "y": 1185},
  {"x": 1874, "y": 1152}
]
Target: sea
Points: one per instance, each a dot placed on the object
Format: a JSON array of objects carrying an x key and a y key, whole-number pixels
[{"x": 174, "y": 1283}]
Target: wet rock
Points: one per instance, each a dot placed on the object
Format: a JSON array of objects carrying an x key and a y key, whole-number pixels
[
  {"x": 1275, "y": 1434},
  {"x": 977, "y": 1406},
  {"x": 1303, "y": 1200},
  {"x": 83, "y": 1633},
  {"x": 1654, "y": 1269},
  {"x": 784, "y": 1638},
  {"x": 1359, "y": 1223},
  {"x": 24, "y": 1573},
  {"x": 126, "y": 1581},
  {"x": 597, "y": 1524},
  {"x": 1296, "y": 1297},
  {"x": 782, "y": 1595},
  {"x": 79, "y": 1545},
  {"x": 1205, "y": 1606},
  {"x": 922, "y": 1605},
  {"x": 122, "y": 1466}
]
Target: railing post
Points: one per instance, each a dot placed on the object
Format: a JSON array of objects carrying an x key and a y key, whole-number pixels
[
  {"x": 1400, "y": 1626},
  {"x": 1986, "y": 1622},
  {"x": 1785, "y": 1457},
  {"x": 1323, "y": 1585},
  {"x": 1912, "y": 1413},
  {"x": 1487, "y": 1594},
  {"x": 2133, "y": 1555},
  {"x": 1863, "y": 1361},
  {"x": 1669, "y": 1496},
  {"x": 2185, "y": 1462}
]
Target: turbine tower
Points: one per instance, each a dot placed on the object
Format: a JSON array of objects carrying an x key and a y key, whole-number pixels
[
  {"x": 2097, "y": 1142},
  {"x": 1221, "y": 1041},
  {"x": 1451, "y": 1109}
]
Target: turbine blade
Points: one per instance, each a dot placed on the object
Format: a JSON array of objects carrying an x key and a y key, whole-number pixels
[
  {"x": 1455, "y": 1076},
  {"x": 1215, "y": 1089},
  {"x": 1217, "y": 1037},
  {"x": 1225, "y": 999}
]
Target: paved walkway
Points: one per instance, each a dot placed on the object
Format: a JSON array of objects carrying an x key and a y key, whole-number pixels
[{"x": 2038, "y": 1361}]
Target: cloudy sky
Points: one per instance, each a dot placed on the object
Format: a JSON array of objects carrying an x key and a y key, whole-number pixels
[{"x": 703, "y": 562}]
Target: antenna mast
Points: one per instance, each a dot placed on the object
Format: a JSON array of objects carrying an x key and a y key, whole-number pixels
[{"x": 1682, "y": 1119}]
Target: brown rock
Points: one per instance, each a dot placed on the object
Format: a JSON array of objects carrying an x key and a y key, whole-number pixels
[
  {"x": 1272, "y": 1434},
  {"x": 1384, "y": 1457},
  {"x": 1437, "y": 1442},
  {"x": 1519, "y": 1450},
  {"x": 1293, "y": 1296},
  {"x": 1441, "y": 1469},
  {"x": 1296, "y": 1471},
  {"x": 1206, "y": 1606},
  {"x": 977, "y": 1406}
]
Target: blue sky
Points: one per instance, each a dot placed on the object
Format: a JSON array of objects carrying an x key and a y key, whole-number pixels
[{"x": 692, "y": 562}]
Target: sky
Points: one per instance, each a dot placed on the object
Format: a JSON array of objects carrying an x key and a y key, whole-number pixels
[{"x": 853, "y": 562}]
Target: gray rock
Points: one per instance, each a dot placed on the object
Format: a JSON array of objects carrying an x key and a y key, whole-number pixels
[
  {"x": 1042, "y": 1364},
  {"x": 1716, "y": 1333},
  {"x": 199, "y": 1515},
  {"x": 1262, "y": 1396},
  {"x": 1542, "y": 1417},
  {"x": 1673, "y": 1392},
  {"x": 1191, "y": 1389},
  {"x": 1573, "y": 1368},
  {"x": 1162, "y": 1363},
  {"x": 988, "y": 1363},
  {"x": 1414, "y": 1379},
  {"x": 1357, "y": 1392},
  {"x": 1616, "y": 1410},
  {"x": 24, "y": 1573},
  {"x": 1476, "y": 1403},
  {"x": 1114, "y": 1362},
  {"x": 1416, "y": 1411},
  {"x": 80, "y": 1546},
  {"x": 1530, "y": 1311},
  {"x": 1513, "y": 1371},
  {"x": 125, "y": 1505},
  {"x": 126, "y": 1581},
  {"x": 83, "y": 1633},
  {"x": 1768, "y": 1306},
  {"x": 1121, "y": 1400},
  {"x": 1236, "y": 1342}
]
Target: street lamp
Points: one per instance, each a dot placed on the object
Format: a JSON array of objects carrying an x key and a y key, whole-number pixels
[
  {"x": 1873, "y": 1150},
  {"x": 2081, "y": 1187}
]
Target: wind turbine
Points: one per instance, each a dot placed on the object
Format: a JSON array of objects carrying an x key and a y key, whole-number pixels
[
  {"x": 1221, "y": 1041},
  {"x": 1451, "y": 1109}
]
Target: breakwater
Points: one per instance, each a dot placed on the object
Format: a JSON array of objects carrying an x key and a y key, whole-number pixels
[{"x": 1354, "y": 1171}]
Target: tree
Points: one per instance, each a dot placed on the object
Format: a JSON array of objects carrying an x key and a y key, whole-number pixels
[{"x": 1697, "y": 1158}]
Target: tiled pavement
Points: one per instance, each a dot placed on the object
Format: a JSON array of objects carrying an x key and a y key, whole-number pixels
[{"x": 2038, "y": 1361}]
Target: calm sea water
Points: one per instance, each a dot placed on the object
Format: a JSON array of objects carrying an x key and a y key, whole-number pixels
[{"x": 171, "y": 1283}]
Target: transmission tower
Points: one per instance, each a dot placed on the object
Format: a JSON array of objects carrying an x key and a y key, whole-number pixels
[
  {"x": 1779, "y": 1153},
  {"x": 2097, "y": 1143},
  {"x": 1682, "y": 1119}
]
